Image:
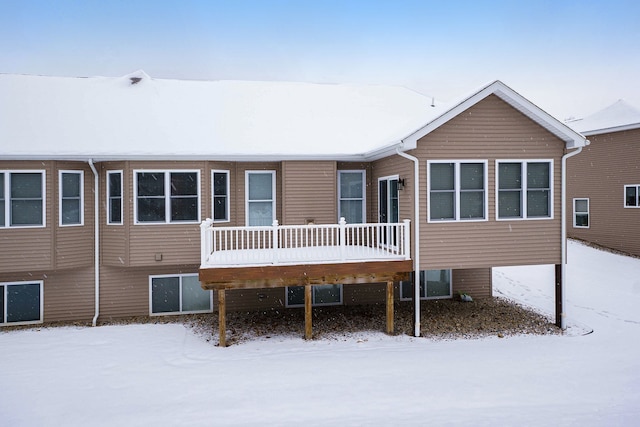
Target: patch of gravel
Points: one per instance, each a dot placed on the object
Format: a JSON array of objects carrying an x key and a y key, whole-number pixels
[
  {"x": 446, "y": 319},
  {"x": 440, "y": 319}
]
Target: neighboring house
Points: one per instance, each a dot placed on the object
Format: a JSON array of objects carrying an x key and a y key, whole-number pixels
[
  {"x": 604, "y": 181},
  {"x": 105, "y": 183}
]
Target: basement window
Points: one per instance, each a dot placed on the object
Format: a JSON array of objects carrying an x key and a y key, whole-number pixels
[
  {"x": 178, "y": 294},
  {"x": 21, "y": 303},
  {"x": 434, "y": 284},
  {"x": 321, "y": 295}
]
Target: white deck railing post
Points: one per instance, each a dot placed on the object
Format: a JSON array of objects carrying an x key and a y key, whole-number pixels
[
  {"x": 206, "y": 246},
  {"x": 275, "y": 241},
  {"x": 407, "y": 239},
  {"x": 343, "y": 237}
]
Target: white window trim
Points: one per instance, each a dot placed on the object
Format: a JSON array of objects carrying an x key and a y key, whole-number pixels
[
  {"x": 364, "y": 191},
  {"x": 524, "y": 216},
  {"x": 74, "y": 172},
  {"x": 456, "y": 190},
  {"x": 246, "y": 192},
  {"x": 108, "y": 192},
  {"x": 7, "y": 197},
  {"x": 624, "y": 196},
  {"x": 228, "y": 206},
  {"x": 426, "y": 291},
  {"x": 167, "y": 196},
  {"x": 576, "y": 212},
  {"x": 180, "y": 312},
  {"x": 313, "y": 297},
  {"x": 25, "y": 282}
]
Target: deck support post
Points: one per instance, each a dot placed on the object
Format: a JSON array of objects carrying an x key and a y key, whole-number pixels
[
  {"x": 559, "y": 291},
  {"x": 222, "y": 318},
  {"x": 390, "y": 308},
  {"x": 308, "y": 327}
]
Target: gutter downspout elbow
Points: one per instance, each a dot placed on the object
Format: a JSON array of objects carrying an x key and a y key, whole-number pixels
[
  {"x": 563, "y": 227},
  {"x": 96, "y": 240},
  {"x": 416, "y": 236}
]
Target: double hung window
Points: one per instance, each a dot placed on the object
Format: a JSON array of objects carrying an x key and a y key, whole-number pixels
[
  {"x": 581, "y": 213},
  {"x": 320, "y": 295},
  {"x": 457, "y": 190},
  {"x": 167, "y": 197},
  {"x": 351, "y": 198},
  {"x": 261, "y": 201},
  {"x": 525, "y": 189},
  {"x": 22, "y": 198},
  {"x": 632, "y": 196},
  {"x": 178, "y": 294},
  {"x": 220, "y": 186},
  {"x": 114, "y": 197},
  {"x": 71, "y": 197},
  {"x": 21, "y": 303}
]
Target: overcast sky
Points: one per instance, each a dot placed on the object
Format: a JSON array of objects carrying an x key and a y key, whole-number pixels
[{"x": 570, "y": 57}]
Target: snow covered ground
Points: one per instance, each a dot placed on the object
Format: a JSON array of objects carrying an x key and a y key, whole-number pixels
[{"x": 164, "y": 375}]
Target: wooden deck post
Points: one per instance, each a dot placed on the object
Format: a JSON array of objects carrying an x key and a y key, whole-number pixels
[
  {"x": 308, "y": 328},
  {"x": 390, "y": 307},
  {"x": 222, "y": 318}
]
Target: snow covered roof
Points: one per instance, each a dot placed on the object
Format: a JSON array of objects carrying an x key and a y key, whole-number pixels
[
  {"x": 616, "y": 117},
  {"x": 136, "y": 116},
  {"x": 139, "y": 117}
]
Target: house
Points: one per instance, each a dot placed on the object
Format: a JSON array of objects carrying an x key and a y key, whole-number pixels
[
  {"x": 137, "y": 196},
  {"x": 604, "y": 181}
]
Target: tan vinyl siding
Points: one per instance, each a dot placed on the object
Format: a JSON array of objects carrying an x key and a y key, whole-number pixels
[
  {"x": 30, "y": 249},
  {"x": 74, "y": 244},
  {"x": 114, "y": 248},
  {"x": 67, "y": 294},
  {"x": 174, "y": 243},
  {"x": 124, "y": 292},
  {"x": 371, "y": 197},
  {"x": 599, "y": 173},
  {"x": 476, "y": 282},
  {"x": 309, "y": 192},
  {"x": 491, "y": 130},
  {"x": 394, "y": 165},
  {"x": 239, "y": 192},
  {"x": 374, "y": 293}
]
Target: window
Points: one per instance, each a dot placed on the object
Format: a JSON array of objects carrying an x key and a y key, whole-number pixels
[
  {"x": 581, "y": 213},
  {"x": 351, "y": 197},
  {"x": 114, "y": 197},
  {"x": 178, "y": 294},
  {"x": 525, "y": 189},
  {"x": 20, "y": 303},
  {"x": 434, "y": 284},
  {"x": 220, "y": 186},
  {"x": 457, "y": 191},
  {"x": 261, "y": 202},
  {"x": 71, "y": 197},
  {"x": 632, "y": 196},
  {"x": 21, "y": 198},
  {"x": 320, "y": 295},
  {"x": 164, "y": 197}
]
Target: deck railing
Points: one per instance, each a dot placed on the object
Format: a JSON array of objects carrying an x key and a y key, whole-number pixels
[{"x": 294, "y": 244}]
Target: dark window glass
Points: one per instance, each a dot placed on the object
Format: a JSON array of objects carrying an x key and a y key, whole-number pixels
[
  {"x": 295, "y": 295},
  {"x": 2, "y": 291},
  {"x": 165, "y": 294},
  {"x": 220, "y": 195},
  {"x": 631, "y": 196},
  {"x": 115, "y": 198},
  {"x": 184, "y": 196},
  {"x": 23, "y": 302},
  {"x": 26, "y": 199}
]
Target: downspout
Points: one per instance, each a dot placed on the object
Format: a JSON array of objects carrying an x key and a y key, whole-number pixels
[
  {"x": 563, "y": 266},
  {"x": 96, "y": 240},
  {"x": 416, "y": 238}
]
